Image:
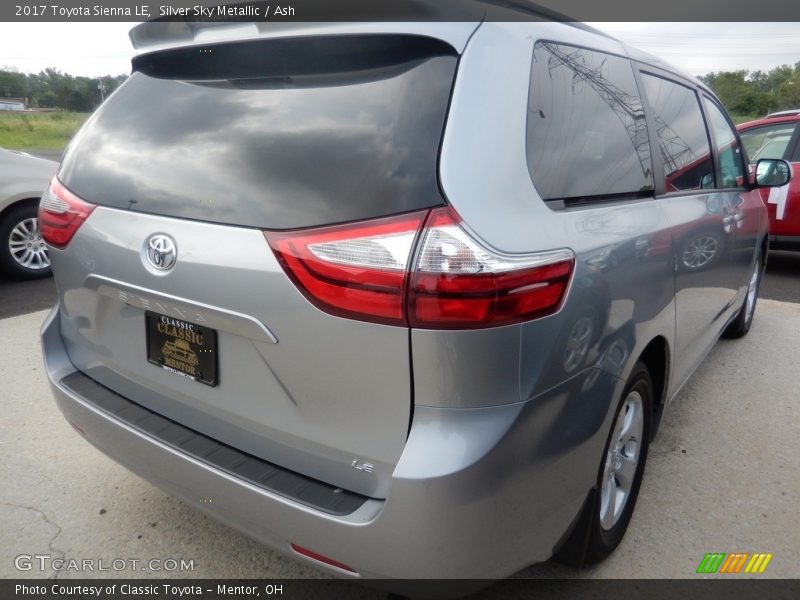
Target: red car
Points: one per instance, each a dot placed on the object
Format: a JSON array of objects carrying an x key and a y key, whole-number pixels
[{"x": 776, "y": 136}]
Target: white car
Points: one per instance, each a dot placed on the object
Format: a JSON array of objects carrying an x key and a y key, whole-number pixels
[{"x": 23, "y": 178}]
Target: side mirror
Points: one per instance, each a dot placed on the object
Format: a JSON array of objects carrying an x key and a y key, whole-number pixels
[{"x": 772, "y": 172}]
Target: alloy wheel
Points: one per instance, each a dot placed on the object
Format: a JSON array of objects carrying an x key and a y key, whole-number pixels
[
  {"x": 752, "y": 293},
  {"x": 27, "y": 247},
  {"x": 622, "y": 459}
]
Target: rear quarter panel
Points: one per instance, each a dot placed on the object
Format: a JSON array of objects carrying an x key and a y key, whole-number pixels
[{"x": 623, "y": 285}]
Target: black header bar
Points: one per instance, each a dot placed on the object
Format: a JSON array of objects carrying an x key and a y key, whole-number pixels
[{"x": 399, "y": 10}]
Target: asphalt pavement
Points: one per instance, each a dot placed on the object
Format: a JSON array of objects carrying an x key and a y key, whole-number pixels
[
  {"x": 20, "y": 297},
  {"x": 782, "y": 281},
  {"x": 722, "y": 476}
]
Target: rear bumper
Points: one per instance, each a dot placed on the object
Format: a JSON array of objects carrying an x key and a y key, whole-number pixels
[{"x": 478, "y": 493}]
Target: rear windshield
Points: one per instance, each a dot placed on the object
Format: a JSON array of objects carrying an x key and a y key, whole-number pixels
[{"x": 274, "y": 133}]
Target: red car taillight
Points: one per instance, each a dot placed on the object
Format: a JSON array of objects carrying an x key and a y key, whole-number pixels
[
  {"x": 61, "y": 213},
  {"x": 458, "y": 283},
  {"x": 357, "y": 270},
  {"x": 368, "y": 271}
]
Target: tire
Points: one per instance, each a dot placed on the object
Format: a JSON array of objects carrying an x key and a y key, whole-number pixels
[
  {"x": 23, "y": 254},
  {"x": 607, "y": 524},
  {"x": 744, "y": 318}
]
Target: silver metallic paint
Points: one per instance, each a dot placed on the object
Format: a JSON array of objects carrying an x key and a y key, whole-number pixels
[
  {"x": 508, "y": 427},
  {"x": 310, "y": 403},
  {"x": 462, "y": 501},
  {"x": 23, "y": 177}
]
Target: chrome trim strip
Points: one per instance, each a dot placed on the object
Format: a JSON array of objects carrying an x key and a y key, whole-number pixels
[{"x": 187, "y": 310}]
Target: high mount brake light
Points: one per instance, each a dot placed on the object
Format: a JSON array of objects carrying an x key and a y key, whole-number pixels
[
  {"x": 370, "y": 271},
  {"x": 61, "y": 213}
]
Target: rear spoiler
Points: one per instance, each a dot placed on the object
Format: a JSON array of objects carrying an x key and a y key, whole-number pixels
[
  {"x": 198, "y": 22},
  {"x": 153, "y": 36},
  {"x": 452, "y": 21}
]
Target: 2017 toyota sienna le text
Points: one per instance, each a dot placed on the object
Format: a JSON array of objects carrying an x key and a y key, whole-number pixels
[{"x": 403, "y": 300}]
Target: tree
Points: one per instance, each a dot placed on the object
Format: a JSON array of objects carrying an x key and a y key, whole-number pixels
[
  {"x": 757, "y": 93},
  {"x": 53, "y": 89},
  {"x": 13, "y": 84}
]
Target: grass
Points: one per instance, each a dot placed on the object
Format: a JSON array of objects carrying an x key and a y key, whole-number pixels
[
  {"x": 737, "y": 119},
  {"x": 38, "y": 131}
]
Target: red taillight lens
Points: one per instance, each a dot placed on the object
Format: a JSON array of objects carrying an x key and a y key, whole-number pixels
[
  {"x": 460, "y": 284},
  {"x": 363, "y": 271},
  {"x": 61, "y": 213},
  {"x": 357, "y": 271}
]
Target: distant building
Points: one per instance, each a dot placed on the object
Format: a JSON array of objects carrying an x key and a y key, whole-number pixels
[{"x": 13, "y": 103}]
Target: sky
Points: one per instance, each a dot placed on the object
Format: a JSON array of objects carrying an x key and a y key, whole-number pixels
[
  {"x": 701, "y": 48},
  {"x": 94, "y": 49}
]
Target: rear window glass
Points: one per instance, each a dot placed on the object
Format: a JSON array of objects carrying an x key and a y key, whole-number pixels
[
  {"x": 586, "y": 132},
  {"x": 274, "y": 133},
  {"x": 682, "y": 136}
]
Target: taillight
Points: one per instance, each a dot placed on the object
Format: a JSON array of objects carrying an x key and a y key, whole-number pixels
[
  {"x": 61, "y": 213},
  {"x": 364, "y": 271},
  {"x": 459, "y": 283},
  {"x": 357, "y": 270}
]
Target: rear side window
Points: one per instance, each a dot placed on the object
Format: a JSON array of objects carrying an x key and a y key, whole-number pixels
[
  {"x": 586, "y": 130},
  {"x": 770, "y": 141},
  {"x": 280, "y": 133},
  {"x": 682, "y": 136},
  {"x": 730, "y": 154}
]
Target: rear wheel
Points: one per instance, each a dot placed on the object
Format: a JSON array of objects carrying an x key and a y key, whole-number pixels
[
  {"x": 741, "y": 324},
  {"x": 622, "y": 467},
  {"x": 23, "y": 253}
]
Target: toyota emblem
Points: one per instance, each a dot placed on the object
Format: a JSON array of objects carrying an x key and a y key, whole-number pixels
[{"x": 161, "y": 252}]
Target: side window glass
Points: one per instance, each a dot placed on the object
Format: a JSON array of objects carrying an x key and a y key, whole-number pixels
[
  {"x": 767, "y": 142},
  {"x": 730, "y": 154},
  {"x": 586, "y": 128},
  {"x": 682, "y": 137}
]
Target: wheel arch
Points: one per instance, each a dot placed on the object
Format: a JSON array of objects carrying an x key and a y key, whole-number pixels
[
  {"x": 17, "y": 203},
  {"x": 656, "y": 356}
]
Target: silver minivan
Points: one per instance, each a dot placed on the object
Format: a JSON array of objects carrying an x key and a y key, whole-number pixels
[{"x": 402, "y": 300}]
